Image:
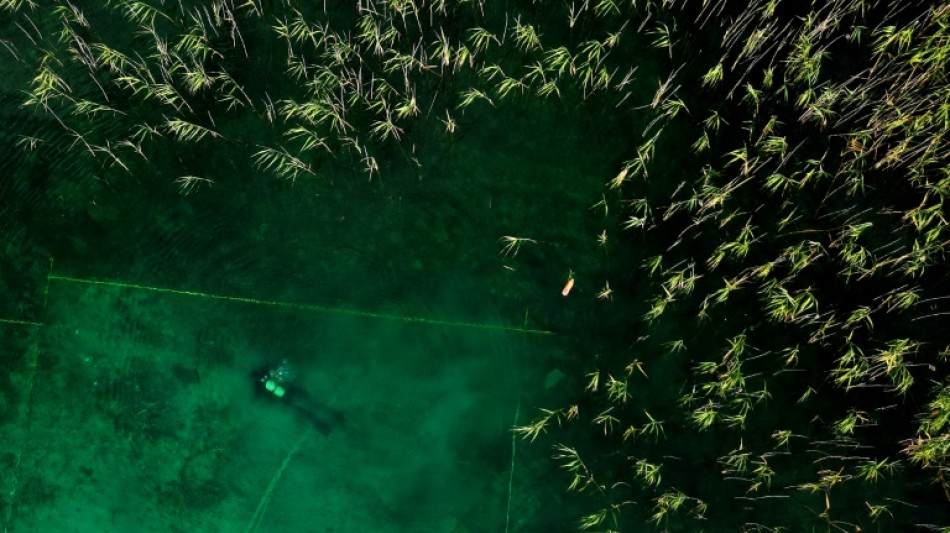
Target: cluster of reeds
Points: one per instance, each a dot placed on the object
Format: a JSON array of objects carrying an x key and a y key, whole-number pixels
[
  {"x": 131, "y": 79},
  {"x": 798, "y": 265}
]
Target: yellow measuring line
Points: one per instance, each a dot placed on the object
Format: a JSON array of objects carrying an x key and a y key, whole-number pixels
[
  {"x": 303, "y": 307},
  {"x": 20, "y": 322}
]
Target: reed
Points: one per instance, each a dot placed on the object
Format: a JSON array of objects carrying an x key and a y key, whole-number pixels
[{"x": 787, "y": 216}]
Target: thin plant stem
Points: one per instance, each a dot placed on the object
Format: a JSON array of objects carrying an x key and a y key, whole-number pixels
[{"x": 511, "y": 472}]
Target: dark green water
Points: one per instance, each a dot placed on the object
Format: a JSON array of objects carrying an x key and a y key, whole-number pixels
[
  {"x": 129, "y": 405},
  {"x": 419, "y": 304},
  {"x": 138, "y": 322}
]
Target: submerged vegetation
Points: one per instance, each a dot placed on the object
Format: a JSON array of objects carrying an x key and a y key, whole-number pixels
[{"x": 772, "y": 347}]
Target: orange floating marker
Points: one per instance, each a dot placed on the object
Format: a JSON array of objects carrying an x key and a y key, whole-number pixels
[{"x": 567, "y": 287}]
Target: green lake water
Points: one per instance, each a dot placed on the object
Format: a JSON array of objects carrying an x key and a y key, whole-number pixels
[
  {"x": 133, "y": 347},
  {"x": 152, "y": 276}
]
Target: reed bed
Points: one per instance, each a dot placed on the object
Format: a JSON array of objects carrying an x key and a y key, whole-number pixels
[
  {"x": 358, "y": 78},
  {"x": 799, "y": 282}
]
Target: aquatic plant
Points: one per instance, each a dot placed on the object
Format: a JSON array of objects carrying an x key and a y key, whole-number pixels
[{"x": 814, "y": 207}]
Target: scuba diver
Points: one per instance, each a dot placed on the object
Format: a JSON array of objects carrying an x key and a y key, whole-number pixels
[{"x": 275, "y": 383}]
